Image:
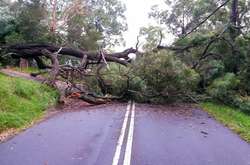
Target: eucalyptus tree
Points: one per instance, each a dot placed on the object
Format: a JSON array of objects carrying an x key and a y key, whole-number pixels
[
  {"x": 86, "y": 21},
  {"x": 181, "y": 16},
  {"x": 104, "y": 20},
  {"x": 7, "y": 23}
]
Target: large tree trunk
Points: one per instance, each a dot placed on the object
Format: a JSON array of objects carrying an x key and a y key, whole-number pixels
[{"x": 35, "y": 50}]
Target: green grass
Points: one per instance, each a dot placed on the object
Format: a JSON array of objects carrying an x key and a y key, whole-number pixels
[
  {"x": 23, "y": 101},
  {"x": 233, "y": 118}
]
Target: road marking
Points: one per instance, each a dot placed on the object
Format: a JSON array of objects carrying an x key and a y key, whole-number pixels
[
  {"x": 128, "y": 151},
  {"x": 121, "y": 137}
]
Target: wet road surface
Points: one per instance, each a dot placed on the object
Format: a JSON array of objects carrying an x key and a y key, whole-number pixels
[{"x": 127, "y": 135}]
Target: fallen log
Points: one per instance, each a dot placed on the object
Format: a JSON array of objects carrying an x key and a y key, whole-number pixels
[
  {"x": 35, "y": 51},
  {"x": 71, "y": 75}
]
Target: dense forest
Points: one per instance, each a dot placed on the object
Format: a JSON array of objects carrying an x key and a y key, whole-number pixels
[{"x": 73, "y": 41}]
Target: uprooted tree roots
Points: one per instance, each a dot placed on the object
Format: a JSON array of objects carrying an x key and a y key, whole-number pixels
[{"x": 67, "y": 78}]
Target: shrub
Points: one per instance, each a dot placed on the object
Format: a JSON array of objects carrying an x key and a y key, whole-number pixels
[
  {"x": 243, "y": 103},
  {"x": 14, "y": 38},
  {"x": 224, "y": 89},
  {"x": 244, "y": 76},
  {"x": 164, "y": 76}
]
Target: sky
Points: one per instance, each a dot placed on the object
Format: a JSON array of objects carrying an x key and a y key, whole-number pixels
[{"x": 137, "y": 17}]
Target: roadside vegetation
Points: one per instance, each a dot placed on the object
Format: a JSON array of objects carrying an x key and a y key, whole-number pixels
[
  {"x": 233, "y": 118},
  {"x": 26, "y": 69},
  {"x": 23, "y": 101}
]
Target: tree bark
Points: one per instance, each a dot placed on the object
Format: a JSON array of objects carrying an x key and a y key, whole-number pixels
[
  {"x": 35, "y": 50},
  {"x": 234, "y": 12}
]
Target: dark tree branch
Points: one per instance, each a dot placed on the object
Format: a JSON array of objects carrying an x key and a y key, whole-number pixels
[
  {"x": 35, "y": 50},
  {"x": 177, "y": 48}
]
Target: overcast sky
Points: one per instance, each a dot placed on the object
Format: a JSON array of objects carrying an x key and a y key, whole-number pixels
[{"x": 137, "y": 16}]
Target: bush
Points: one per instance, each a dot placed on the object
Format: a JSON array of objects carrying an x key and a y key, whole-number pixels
[
  {"x": 243, "y": 103},
  {"x": 14, "y": 38},
  {"x": 164, "y": 76},
  {"x": 224, "y": 89},
  {"x": 244, "y": 76}
]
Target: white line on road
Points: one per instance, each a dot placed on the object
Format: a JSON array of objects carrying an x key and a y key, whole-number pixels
[
  {"x": 121, "y": 137},
  {"x": 128, "y": 151}
]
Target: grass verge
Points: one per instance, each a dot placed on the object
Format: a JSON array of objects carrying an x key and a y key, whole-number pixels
[
  {"x": 233, "y": 118},
  {"x": 25, "y": 70},
  {"x": 23, "y": 101}
]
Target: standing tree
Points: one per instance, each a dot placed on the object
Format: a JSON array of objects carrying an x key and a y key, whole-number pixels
[{"x": 181, "y": 16}]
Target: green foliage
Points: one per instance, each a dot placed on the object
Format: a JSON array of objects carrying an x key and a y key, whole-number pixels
[
  {"x": 164, "y": 76},
  {"x": 224, "y": 88},
  {"x": 152, "y": 35},
  {"x": 244, "y": 73},
  {"x": 99, "y": 19},
  {"x": 211, "y": 71},
  {"x": 7, "y": 22},
  {"x": 245, "y": 79},
  {"x": 22, "y": 101},
  {"x": 243, "y": 103},
  {"x": 155, "y": 77},
  {"x": 14, "y": 38},
  {"x": 115, "y": 75},
  {"x": 30, "y": 20},
  {"x": 124, "y": 81},
  {"x": 233, "y": 118},
  {"x": 181, "y": 16}
]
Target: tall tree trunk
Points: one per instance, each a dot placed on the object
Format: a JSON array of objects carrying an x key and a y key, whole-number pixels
[
  {"x": 234, "y": 16},
  {"x": 234, "y": 33},
  {"x": 53, "y": 22},
  {"x": 234, "y": 12}
]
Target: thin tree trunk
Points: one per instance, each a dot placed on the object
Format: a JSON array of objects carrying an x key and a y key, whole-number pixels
[
  {"x": 234, "y": 33},
  {"x": 234, "y": 12},
  {"x": 53, "y": 22}
]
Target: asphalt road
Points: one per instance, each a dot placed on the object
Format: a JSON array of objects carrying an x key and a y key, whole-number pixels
[{"x": 120, "y": 135}]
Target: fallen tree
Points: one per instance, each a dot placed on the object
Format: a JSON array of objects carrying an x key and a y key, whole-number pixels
[
  {"x": 69, "y": 74},
  {"x": 36, "y": 51}
]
